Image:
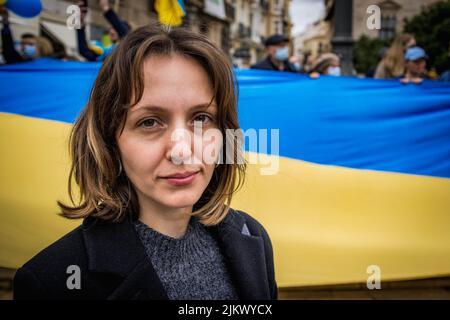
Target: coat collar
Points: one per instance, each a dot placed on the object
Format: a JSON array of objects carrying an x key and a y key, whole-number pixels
[
  {"x": 245, "y": 256},
  {"x": 115, "y": 248}
]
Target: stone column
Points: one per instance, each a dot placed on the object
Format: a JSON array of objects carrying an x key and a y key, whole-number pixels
[{"x": 342, "y": 40}]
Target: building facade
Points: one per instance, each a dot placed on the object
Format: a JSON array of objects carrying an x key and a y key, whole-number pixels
[
  {"x": 238, "y": 27},
  {"x": 316, "y": 39},
  {"x": 253, "y": 22},
  {"x": 52, "y": 21},
  {"x": 345, "y": 22},
  {"x": 393, "y": 13}
]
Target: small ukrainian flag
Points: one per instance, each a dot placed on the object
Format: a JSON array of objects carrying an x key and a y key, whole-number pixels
[{"x": 170, "y": 12}]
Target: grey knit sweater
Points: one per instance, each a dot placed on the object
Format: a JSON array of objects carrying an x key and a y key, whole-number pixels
[{"x": 190, "y": 267}]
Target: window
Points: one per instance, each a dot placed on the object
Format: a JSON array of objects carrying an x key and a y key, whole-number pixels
[
  {"x": 389, "y": 11},
  {"x": 388, "y": 26}
]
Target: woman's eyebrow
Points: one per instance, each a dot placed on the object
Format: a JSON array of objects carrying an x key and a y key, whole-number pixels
[
  {"x": 149, "y": 108},
  {"x": 201, "y": 106}
]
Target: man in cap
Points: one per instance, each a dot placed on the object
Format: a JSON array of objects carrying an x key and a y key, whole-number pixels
[
  {"x": 416, "y": 62},
  {"x": 277, "y": 55}
]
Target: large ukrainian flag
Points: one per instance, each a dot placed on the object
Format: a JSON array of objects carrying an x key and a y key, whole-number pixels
[{"x": 363, "y": 174}]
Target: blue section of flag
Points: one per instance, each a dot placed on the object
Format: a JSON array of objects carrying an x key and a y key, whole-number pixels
[{"x": 350, "y": 122}]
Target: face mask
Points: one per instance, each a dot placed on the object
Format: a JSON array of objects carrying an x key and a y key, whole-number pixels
[
  {"x": 29, "y": 51},
  {"x": 334, "y": 71},
  {"x": 296, "y": 66},
  {"x": 282, "y": 54}
]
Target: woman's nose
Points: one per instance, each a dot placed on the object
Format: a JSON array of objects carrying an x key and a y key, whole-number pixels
[{"x": 180, "y": 146}]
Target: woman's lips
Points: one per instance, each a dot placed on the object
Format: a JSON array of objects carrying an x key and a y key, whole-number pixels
[{"x": 181, "y": 179}]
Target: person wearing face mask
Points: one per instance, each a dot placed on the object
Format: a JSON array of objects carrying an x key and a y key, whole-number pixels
[
  {"x": 327, "y": 64},
  {"x": 277, "y": 55},
  {"x": 28, "y": 45},
  {"x": 296, "y": 63},
  {"x": 31, "y": 46}
]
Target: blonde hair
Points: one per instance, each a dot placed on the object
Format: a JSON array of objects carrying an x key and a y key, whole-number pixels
[
  {"x": 394, "y": 61},
  {"x": 105, "y": 190},
  {"x": 44, "y": 46}
]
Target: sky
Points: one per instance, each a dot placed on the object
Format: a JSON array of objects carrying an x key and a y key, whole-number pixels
[{"x": 304, "y": 13}]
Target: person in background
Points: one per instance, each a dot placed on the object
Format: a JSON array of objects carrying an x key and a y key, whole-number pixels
[
  {"x": 44, "y": 47},
  {"x": 416, "y": 62},
  {"x": 307, "y": 62},
  {"x": 372, "y": 69},
  {"x": 277, "y": 55},
  {"x": 296, "y": 62},
  {"x": 118, "y": 30},
  {"x": 445, "y": 76},
  {"x": 31, "y": 46},
  {"x": 326, "y": 64},
  {"x": 393, "y": 64},
  {"x": 2, "y": 59}
]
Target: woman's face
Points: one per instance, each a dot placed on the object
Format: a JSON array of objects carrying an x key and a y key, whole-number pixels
[{"x": 157, "y": 142}]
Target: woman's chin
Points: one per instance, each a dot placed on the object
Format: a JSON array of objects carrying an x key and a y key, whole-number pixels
[{"x": 179, "y": 200}]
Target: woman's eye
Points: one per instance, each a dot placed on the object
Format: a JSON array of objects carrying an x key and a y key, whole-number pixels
[
  {"x": 204, "y": 118},
  {"x": 149, "y": 123}
]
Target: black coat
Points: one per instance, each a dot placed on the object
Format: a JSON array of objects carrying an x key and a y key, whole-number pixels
[
  {"x": 267, "y": 64},
  {"x": 114, "y": 265}
]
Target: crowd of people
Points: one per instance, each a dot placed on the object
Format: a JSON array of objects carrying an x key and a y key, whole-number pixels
[
  {"x": 119, "y": 29},
  {"x": 403, "y": 60},
  {"x": 32, "y": 46}
]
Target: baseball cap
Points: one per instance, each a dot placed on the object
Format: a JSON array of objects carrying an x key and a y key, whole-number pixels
[{"x": 415, "y": 53}]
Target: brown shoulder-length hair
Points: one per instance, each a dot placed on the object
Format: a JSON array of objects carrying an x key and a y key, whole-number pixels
[{"x": 105, "y": 191}]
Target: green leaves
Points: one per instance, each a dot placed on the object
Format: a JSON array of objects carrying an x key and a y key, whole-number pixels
[{"x": 431, "y": 28}]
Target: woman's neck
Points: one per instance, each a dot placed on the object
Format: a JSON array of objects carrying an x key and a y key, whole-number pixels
[{"x": 172, "y": 222}]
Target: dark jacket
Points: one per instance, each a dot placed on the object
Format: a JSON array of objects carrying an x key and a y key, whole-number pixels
[
  {"x": 267, "y": 64},
  {"x": 114, "y": 21},
  {"x": 114, "y": 265},
  {"x": 9, "y": 52}
]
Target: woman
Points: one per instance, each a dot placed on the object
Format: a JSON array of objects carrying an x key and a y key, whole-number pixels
[
  {"x": 393, "y": 63},
  {"x": 157, "y": 222}
]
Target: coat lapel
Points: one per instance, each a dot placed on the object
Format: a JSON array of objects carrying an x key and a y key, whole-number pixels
[
  {"x": 115, "y": 248},
  {"x": 244, "y": 254}
]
